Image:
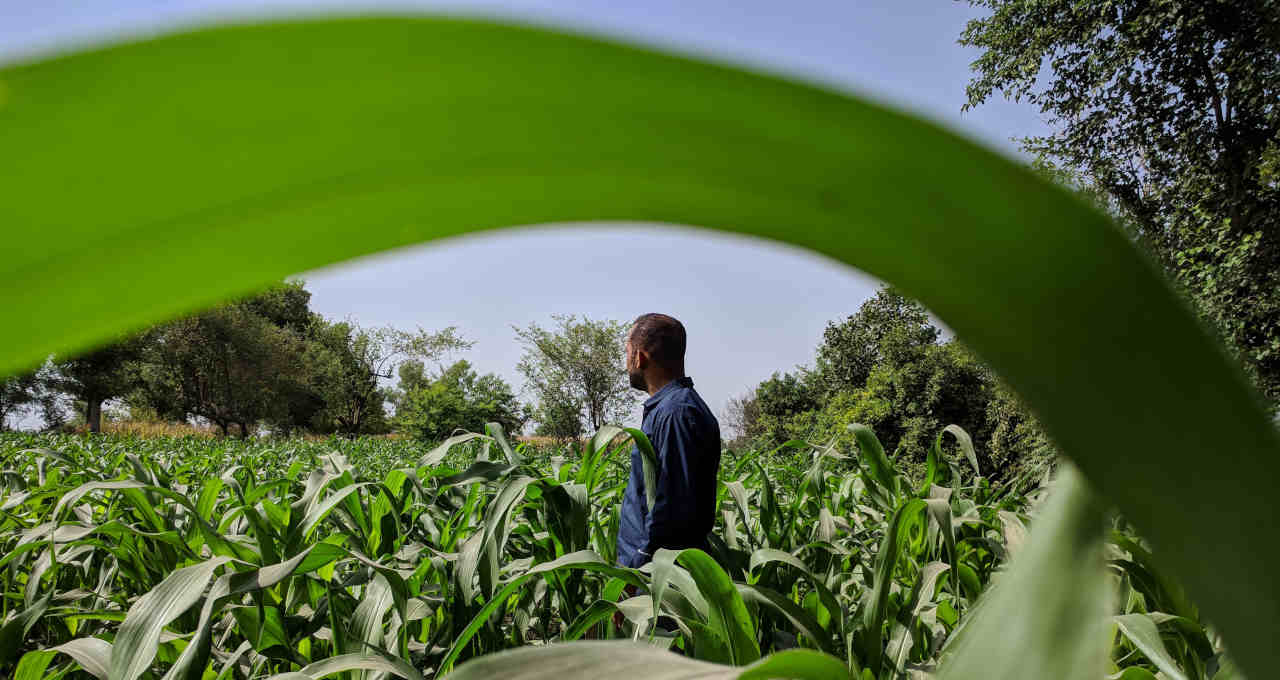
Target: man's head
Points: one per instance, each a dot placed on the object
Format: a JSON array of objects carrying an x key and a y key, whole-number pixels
[{"x": 655, "y": 351}]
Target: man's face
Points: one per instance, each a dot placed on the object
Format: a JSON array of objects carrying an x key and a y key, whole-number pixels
[{"x": 634, "y": 372}]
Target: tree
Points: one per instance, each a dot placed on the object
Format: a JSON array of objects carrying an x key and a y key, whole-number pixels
[
  {"x": 97, "y": 376},
  {"x": 227, "y": 365},
  {"x": 920, "y": 392},
  {"x": 886, "y": 324},
  {"x": 350, "y": 362},
  {"x": 742, "y": 417},
  {"x": 16, "y": 393},
  {"x": 1169, "y": 109},
  {"x": 886, "y": 367},
  {"x": 286, "y": 305},
  {"x": 412, "y": 375},
  {"x": 267, "y": 358},
  {"x": 558, "y": 414},
  {"x": 577, "y": 367},
  {"x": 456, "y": 399},
  {"x": 786, "y": 394},
  {"x": 1015, "y": 441}
]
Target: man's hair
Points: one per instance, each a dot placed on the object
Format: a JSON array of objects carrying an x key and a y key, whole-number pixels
[{"x": 661, "y": 336}]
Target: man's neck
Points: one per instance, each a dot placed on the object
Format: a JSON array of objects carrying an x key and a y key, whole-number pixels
[{"x": 659, "y": 382}]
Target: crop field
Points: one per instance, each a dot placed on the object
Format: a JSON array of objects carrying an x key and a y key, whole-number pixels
[{"x": 130, "y": 558}]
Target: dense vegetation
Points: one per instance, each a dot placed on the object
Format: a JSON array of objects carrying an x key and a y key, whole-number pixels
[
  {"x": 189, "y": 558},
  {"x": 888, "y": 366},
  {"x": 1167, "y": 114}
]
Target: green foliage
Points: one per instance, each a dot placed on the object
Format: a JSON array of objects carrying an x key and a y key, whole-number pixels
[
  {"x": 886, "y": 326},
  {"x": 344, "y": 378},
  {"x": 884, "y": 366},
  {"x": 262, "y": 359},
  {"x": 228, "y": 365},
  {"x": 347, "y": 364},
  {"x": 286, "y": 305},
  {"x": 920, "y": 392},
  {"x": 191, "y": 557},
  {"x": 1015, "y": 441},
  {"x": 1039, "y": 284},
  {"x": 558, "y": 415},
  {"x": 1168, "y": 110},
  {"x": 106, "y": 373},
  {"x": 576, "y": 373},
  {"x": 456, "y": 399},
  {"x": 785, "y": 394}
]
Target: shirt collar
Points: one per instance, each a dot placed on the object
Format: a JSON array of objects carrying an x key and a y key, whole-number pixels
[{"x": 666, "y": 390}]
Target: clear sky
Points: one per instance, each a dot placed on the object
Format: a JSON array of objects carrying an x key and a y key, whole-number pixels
[{"x": 750, "y": 307}]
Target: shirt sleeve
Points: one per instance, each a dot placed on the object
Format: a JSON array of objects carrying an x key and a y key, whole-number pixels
[{"x": 675, "y": 502}]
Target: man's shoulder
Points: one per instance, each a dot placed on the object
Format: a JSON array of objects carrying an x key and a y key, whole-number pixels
[{"x": 685, "y": 405}]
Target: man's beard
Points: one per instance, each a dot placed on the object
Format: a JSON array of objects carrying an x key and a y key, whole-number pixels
[{"x": 637, "y": 380}]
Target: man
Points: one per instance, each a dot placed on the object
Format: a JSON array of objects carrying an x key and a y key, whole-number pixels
[{"x": 686, "y": 439}]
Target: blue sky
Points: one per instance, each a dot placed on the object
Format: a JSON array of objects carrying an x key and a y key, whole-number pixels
[{"x": 750, "y": 307}]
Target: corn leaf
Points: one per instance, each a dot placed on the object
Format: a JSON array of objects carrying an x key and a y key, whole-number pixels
[
  {"x": 33, "y": 665},
  {"x": 728, "y": 612},
  {"x": 93, "y": 655},
  {"x": 1046, "y": 617},
  {"x": 139, "y": 635},
  {"x": 1142, "y": 632},
  {"x": 590, "y": 660},
  {"x": 353, "y": 662}
]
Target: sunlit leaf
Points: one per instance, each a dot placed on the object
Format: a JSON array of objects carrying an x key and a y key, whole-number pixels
[
  {"x": 592, "y": 660},
  {"x": 1047, "y": 616}
]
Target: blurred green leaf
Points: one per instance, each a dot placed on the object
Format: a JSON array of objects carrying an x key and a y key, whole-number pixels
[
  {"x": 1047, "y": 616},
  {"x": 592, "y": 660},
  {"x": 1144, "y": 635}
]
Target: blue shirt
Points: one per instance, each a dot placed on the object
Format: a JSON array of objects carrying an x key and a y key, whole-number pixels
[{"x": 686, "y": 439}]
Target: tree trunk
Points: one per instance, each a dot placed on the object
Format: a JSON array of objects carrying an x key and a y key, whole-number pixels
[{"x": 93, "y": 415}]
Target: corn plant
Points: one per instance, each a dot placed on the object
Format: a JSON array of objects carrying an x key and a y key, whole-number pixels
[{"x": 288, "y": 560}]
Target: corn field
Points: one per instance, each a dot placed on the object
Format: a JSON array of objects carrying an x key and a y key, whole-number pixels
[{"x": 192, "y": 558}]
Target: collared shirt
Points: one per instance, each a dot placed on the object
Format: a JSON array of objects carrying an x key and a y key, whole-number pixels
[{"x": 686, "y": 438}]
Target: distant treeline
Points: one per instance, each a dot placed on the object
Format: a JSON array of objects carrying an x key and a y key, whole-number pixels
[{"x": 268, "y": 363}]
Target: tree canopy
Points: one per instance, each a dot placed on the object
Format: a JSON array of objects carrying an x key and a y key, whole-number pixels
[
  {"x": 887, "y": 366},
  {"x": 433, "y": 408},
  {"x": 92, "y": 378},
  {"x": 229, "y": 366},
  {"x": 1167, "y": 110},
  {"x": 350, "y": 362},
  {"x": 576, "y": 372},
  {"x": 261, "y": 360}
]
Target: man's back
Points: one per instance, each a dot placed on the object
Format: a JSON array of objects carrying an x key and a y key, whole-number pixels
[{"x": 686, "y": 438}]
